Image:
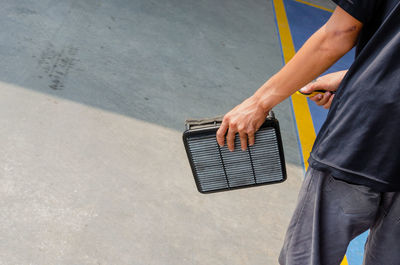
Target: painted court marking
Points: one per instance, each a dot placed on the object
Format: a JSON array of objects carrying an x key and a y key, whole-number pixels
[{"x": 314, "y": 5}]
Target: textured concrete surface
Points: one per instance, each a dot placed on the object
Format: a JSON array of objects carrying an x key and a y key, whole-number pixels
[
  {"x": 83, "y": 186},
  {"x": 93, "y": 98}
]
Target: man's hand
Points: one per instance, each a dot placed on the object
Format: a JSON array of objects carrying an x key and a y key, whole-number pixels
[
  {"x": 245, "y": 119},
  {"x": 329, "y": 82}
]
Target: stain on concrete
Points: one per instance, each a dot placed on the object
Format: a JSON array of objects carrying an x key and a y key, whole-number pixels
[
  {"x": 24, "y": 11},
  {"x": 56, "y": 64}
]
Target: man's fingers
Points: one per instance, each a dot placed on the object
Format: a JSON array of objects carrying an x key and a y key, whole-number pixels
[
  {"x": 230, "y": 139},
  {"x": 316, "y": 98},
  {"x": 221, "y": 133},
  {"x": 324, "y": 99},
  {"x": 328, "y": 104},
  {"x": 251, "y": 138},
  {"x": 243, "y": 140}
]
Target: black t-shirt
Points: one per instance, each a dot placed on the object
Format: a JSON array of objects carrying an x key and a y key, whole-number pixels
[{"x": 360, "y": 139}]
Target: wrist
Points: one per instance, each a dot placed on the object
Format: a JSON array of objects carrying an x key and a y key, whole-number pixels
[
  {"x": 268, "y": 96},
  {"x": 260, "y": 103}
]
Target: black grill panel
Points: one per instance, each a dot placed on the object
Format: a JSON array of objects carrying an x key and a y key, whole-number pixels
[
  {"x": 266, "y": 160},
  {"x": 207, "y": 162},
  {"x": 216, "y": 168},
  {"x": 237, "y": 166}
]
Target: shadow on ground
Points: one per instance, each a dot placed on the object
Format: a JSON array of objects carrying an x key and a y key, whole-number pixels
[{"x": 157, "y": 61}]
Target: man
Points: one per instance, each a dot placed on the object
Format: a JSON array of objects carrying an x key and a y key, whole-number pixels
[{"x": 353, "y": 181}]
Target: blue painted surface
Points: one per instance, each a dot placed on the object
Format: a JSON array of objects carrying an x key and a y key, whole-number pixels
[
  {"x": 355, "y": 250},
  {"x": 304, "y": 20}
]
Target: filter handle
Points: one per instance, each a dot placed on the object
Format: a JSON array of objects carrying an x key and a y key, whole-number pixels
[{"x": 207, "y": 122}]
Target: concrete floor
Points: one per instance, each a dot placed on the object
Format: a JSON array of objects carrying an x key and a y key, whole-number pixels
[{"x": 94, "y": 95}]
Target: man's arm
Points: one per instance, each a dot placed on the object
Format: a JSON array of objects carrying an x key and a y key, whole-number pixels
[{"x": 321, "y": 50}]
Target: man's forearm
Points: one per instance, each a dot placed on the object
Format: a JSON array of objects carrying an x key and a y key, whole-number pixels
[{"x": 320, "y": 52}]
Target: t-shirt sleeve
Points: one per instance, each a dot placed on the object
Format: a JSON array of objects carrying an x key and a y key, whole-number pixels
[{"x": 362, "y": 10}]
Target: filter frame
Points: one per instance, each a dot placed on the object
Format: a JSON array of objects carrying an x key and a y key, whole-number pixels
[{"x": 270, "y": 122}]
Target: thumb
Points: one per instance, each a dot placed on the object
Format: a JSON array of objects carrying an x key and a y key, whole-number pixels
[{"x": 309, "y": 88}]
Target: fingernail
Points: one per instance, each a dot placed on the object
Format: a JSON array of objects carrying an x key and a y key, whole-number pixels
[{"x": 319, "y": 96}]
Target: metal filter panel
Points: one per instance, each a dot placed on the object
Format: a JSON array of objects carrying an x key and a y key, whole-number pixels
[{"x": 217, "y": 169}]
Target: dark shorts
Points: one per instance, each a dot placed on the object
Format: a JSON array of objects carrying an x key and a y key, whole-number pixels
[{"x": 331, "y": 212}]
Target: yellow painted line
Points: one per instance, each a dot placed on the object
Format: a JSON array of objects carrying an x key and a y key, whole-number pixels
[
  {"x": 302, "y": 113},
  {"x": 314, "y": 5},
  {"x": 305, "y": 125},
  {"x": 284, "y": 31}
]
